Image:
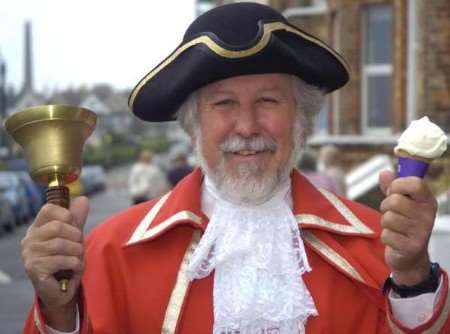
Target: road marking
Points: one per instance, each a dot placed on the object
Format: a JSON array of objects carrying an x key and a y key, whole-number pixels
[{"x": 4, "y": 278}]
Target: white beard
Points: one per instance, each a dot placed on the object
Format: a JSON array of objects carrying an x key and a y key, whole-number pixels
[{"x": 248, "y": 185}]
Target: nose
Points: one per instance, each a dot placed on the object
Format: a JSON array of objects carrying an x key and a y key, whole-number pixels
[{"x": 246, "y": 123}]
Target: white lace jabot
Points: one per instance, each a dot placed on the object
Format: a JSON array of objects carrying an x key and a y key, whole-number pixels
[{"x": 258, "y": 258}]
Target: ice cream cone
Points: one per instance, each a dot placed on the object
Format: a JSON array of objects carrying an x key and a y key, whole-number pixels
[
  {"x": 410, "y": 165},
  {"x": 421, "y": 143},
  {"x": 403, "y": 154}
]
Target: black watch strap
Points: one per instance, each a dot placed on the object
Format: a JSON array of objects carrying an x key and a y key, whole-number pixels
[{"x": 428, "y": 285}]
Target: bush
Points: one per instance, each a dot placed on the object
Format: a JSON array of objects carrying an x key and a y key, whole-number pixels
[{"x": 116, "y": 149}]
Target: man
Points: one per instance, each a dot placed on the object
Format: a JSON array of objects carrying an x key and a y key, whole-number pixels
[
  {"x": 245, "y": 244},
  {"x": 179, "y": 170},
  {"x": 307, "y": 165},
  {"x": 146, "y": 180}
]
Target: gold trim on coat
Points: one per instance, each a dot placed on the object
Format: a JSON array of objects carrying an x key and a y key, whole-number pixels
[
  {"x": 219, "y": 50},
  {"x": 442, "y": 318},
  {"x": 318, "y": 221},
  {"x": 37, "y": 321},
  {"x": 182, "y": 215},
  {"x": 176, "y": 300},
  {"x": 357, "y": 224},
  {"x": 140, "y": 231},
  {"x": 331, "y": 254},
  {"x": 438, "y": 324}
]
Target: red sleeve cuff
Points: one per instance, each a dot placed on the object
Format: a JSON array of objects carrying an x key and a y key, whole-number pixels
[
  {"x": 438, "y": 323},
  {"x": 39, "y": 322}
]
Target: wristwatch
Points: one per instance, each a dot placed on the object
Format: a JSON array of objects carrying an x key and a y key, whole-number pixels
[{"x": 430, "y": 284}]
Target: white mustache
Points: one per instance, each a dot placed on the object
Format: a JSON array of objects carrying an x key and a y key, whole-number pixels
[{"x": 238, "y": 143}]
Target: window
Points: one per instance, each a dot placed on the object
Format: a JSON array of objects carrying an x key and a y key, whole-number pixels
[{"x": 377, "y": 68}]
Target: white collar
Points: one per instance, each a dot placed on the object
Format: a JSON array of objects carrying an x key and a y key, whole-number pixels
[{"x": 259, "y": 259}]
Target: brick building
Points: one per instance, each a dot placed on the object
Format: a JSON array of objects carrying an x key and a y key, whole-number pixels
[{"x": 399, "y": 52}]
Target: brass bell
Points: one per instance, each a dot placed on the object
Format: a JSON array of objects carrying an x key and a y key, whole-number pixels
[{"x": 52, "y": 137}]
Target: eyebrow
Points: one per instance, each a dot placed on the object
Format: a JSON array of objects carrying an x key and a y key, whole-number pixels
[{"x": 220, "y": 91}]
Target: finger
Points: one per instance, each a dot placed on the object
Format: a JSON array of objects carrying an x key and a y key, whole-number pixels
[
  {"x": 395, "y": 240},
  {"x": 51, "y": 212},
  {"x": 397, "y": 223},
  {"x": 48, "y": 265},
  {"x": 55, "y": 229},
  {"x": 413, "y": 187},
  {"x": 385, "y": 179},
  {"x": 80, "y": 209},
  {"x": 56, "y": 246},
  {"x": 399, "y": 203}
]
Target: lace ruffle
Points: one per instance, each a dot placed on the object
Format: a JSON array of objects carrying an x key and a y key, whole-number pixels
[{"x": 258, "y": 258}]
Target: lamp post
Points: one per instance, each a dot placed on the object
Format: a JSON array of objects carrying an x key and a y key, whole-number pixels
[
  {"x": 2, "y": 87},
  {"x": 3, "y": 101}
]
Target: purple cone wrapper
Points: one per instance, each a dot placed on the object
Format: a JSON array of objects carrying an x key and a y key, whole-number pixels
[{"x": 411, "y": 167}]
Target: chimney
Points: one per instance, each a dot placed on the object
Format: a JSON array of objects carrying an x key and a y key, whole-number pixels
[{"x": 28, "y": 75}]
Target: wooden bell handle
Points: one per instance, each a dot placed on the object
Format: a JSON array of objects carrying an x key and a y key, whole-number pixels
[{"x": 59, "y": 195}]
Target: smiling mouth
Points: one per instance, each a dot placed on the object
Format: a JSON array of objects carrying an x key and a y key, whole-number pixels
[
  {"x": 245, "y": 152},
  {"x": 248, "y": 153}
]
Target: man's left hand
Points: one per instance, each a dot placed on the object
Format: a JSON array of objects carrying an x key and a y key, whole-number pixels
[{"x": 409, "y": 210}]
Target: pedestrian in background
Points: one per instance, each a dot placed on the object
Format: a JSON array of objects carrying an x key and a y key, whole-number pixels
[
  {"x": 179, "y": 169},
  {"x": 330, "y": 164},
  {"x": 146, "y": 180},
  {"x": 308, "y": 166}
]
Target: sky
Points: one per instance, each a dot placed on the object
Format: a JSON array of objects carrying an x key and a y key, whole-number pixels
[{"x": 84, "y": 42}]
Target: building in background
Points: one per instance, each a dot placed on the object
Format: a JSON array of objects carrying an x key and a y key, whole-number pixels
[{"x": 399, "y": 52}]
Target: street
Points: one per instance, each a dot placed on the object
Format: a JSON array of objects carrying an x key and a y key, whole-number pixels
[{"x": 16, "y": 292}]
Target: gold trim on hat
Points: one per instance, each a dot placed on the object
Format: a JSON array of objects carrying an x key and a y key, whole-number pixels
[
  {"x": 213, "y": 46},
  {"x": 331, "y": 255},
  {"x": 176, "y": 300}
]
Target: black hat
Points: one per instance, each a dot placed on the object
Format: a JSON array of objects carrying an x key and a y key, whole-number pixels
[{"x": 232, "y": 40}]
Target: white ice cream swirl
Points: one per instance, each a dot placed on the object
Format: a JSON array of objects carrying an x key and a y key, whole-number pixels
[{"x": 423, "y": 139}]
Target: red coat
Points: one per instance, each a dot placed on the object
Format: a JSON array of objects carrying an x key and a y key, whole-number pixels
[{"x": 134, "y": 280}]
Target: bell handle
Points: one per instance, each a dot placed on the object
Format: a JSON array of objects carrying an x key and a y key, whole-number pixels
[{"x": 59, "y": 195}]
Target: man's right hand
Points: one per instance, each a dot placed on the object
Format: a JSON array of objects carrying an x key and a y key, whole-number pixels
[{"x": 54, "y": 242}]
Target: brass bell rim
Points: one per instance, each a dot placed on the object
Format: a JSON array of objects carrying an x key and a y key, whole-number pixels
[{"x": 48, "y": 112}]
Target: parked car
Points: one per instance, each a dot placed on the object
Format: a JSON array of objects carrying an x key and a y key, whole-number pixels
[
  {"x": 14, "y": 191},
  {"x": 35, "y": 193},
  {"x": 7, "y": 216},
  {"x": 93, "y": 179}
]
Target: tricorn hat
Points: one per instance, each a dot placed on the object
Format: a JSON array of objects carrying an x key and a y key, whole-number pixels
[{"x": 232, "y": 40}]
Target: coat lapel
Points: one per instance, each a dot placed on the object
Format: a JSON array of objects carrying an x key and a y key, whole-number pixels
[
  {"x": 324, "y": 218},
  {"x": 180, "y": 206},
  {"x": 320, "y": 215}
]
